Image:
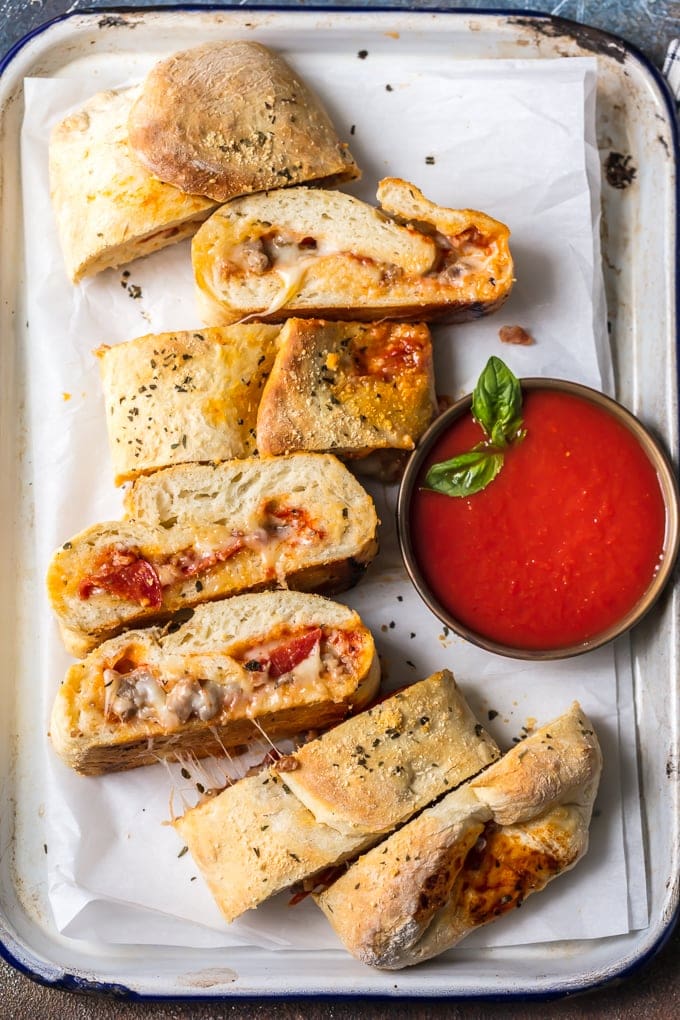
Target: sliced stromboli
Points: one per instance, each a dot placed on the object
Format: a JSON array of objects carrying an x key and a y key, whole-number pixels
[
  {"x": 301, "y": 251},
  {"x": 204, "y": 532},
  {"x": 109, "y": 209},
  {"x": 232, "y": 117},
  {"x": 476, "y": 854},
  {"x": 348, "y": 388},
  {"x": 258, "y": 837},
  {"x": 279, "y": 662},
  {"x": 173, "y": 398},
  {"x": 473, "y": 250},
  {"x": 312, "y": 253}
]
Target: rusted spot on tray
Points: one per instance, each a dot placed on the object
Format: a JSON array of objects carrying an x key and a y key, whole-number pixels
[
  {"x": 117, "y": 21},
  {"x": 619, "y": 170},
  {"x": 588, "y": 38},
  {"x": 664, "y": 143}
]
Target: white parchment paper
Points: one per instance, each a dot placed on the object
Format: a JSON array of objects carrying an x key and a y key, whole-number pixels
[{"x": 513, "y": 138}]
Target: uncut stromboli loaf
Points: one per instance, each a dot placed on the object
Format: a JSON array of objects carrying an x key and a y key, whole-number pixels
[
  {"x": 309, "y": 252},
  {"x": 335, "y": 795},
  {"x": 476, "y": 854},
  {"x": 278, "y": 662},
  {"x": 202, "y": 532}
]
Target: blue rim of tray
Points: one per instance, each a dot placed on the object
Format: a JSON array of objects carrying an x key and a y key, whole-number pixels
[{"x": 600, "y": 42}]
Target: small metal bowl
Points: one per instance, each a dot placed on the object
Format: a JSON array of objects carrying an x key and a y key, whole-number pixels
[{"x": 668, "y": 484}]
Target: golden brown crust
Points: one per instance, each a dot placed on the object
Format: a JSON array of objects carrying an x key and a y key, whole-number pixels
[
  {"x": 347, "y": 388},
  {"x": 475, "y": 855},
  {"x": 560, "y": 760},
  {"x": 257, "y": 837},
  {"x": 173, "y": 398},
  {"x": 229, "y": 118},
  {"x": 109, "y": 209},
  {"x": 423, "y": 740},
  {"x": 209, "y": 651}
]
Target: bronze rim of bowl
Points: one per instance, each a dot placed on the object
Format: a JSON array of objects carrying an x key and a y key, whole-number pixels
[{"x": 671, "y": 499}]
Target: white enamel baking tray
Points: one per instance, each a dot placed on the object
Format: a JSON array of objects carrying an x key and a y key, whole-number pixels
[{"x": 636, "y": 120}]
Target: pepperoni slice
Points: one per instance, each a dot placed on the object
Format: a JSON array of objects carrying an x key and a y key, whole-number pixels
[
  {"x": 291, "y": 523},
  {"x": 289, "y": 655},
  {"x": 136, "y": 581},
  {"x": 191, "y": 563}
]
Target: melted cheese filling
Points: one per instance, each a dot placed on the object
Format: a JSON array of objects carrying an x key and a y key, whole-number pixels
[
  {"x": 466, "y": 256},
  {"x": 284, "y": 255},
  {"x": 141, "y": 694},
  {"x": 290, "y": 258},
  {"x": 292, "y": 279},
  {"x": 270, "y": 528}
]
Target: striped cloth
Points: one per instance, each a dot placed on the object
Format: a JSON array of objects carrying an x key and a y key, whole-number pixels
[{"x": 671, "y": 67}]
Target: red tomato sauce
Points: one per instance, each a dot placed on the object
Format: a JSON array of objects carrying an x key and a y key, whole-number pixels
[{"x": 561, "y": 544}]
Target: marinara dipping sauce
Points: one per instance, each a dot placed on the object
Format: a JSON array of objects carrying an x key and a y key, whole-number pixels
[{"x": 561, "y": 545}]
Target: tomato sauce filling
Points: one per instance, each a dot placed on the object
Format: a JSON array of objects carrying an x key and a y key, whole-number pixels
[
  {"x": 388, "y": 357},
  {"x": 564, "y": 541},
  {"x": 129, "y": 575}
]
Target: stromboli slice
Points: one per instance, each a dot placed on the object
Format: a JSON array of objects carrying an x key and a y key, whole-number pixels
[
  {"x": 232, "y": 117},
  {"x": 473, "y": 248},
  {"x": 476, "y": 854},
  {"x": 203, "y": 532},
  {"x": 290, "y": 661},
  {"x": 349, "y": 388},
  {"x": 381, "y": 767},
  {"x": 108, "y": 207},
  {"x": 257, "y": 837},
  {"x": 311, "y": 253},
  {"x": 173, "y": 398},
  {"x": 196, "y": 494}
]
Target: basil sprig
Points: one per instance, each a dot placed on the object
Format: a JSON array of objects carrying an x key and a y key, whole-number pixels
[
  {"x": 497, "y": 403},
  {"x": 497, "y": 406}
]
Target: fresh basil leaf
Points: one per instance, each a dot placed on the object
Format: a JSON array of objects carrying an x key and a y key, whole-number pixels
[
  {"x": 497, "y": 406},
  {"x": 497, "y": 402},
  {"x": 465, "y": 474}
]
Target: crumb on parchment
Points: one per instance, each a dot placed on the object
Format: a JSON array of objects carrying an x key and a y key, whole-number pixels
[{"x": 515, "y": 335}]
